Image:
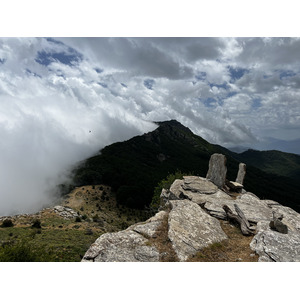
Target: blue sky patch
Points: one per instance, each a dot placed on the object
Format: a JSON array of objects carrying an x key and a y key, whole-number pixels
[
  {"x": 288, "y": 73},
  {"x": 201, "y": 76},
  {"x": 256, "y": 103},
  {"x": 2, "y": 61},
  {"x": 103, "y": 84},
  {"x": 236, "y": 73},
  {"x": 98, "y": 70},
  {"x": 29, "y": 72},
  {"x": 123, "y": 84},
  {"x": 208, "y": 102},
  {"x": 220, "y": 86},
  {"x": 148, "y": 83}
]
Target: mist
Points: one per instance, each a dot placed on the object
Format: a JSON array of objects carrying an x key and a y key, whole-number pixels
[{"x": 43, "y": 138}]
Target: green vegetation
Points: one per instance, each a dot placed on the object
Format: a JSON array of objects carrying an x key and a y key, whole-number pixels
[
  {"x": 7, "y": 223},
  {"x": 49, "y": 237},
  {"x": 274, "y": 162},
  {"x": 164, "y": 184},
  {"x": 133, "y": 168}
]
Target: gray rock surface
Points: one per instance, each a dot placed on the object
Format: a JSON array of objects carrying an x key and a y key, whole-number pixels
[
  {"x": 254, "y": 209},
  {"x": 148, "y": 228},
  {"x": 274, "y": 246},
  {"x": 65, "y": 212},
  {"x": 241, "y": 173},
  {"x": 122, "y": 246},
  {"x": 191, "y": 228},
  {"x": 127, "y": 245},
  {"x": 198, "y": 185},
  {"x": 217, "y": 169}
]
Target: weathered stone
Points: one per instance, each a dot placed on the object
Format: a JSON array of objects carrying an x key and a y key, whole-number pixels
[
  {"x": 235, "y": 186},
  {"x": 290, "y": 217},
  {"x": 198, "y": 185},
  {"x": 65, "y": 212},
  {"x": 148, "y": 228},
  {"x": 217, "y": 170},
  {"x": 274, "y": 246},
  {"x": 203, "y": 198},
  {"x": 278, "y": 226},
  {"x": 254, "y": 209},
  {"x": 176, "y": 190},
  {"x": 122, "y": 246},
  {"x": 241, "y": 174},
  {"x": 191, "y": 228}
]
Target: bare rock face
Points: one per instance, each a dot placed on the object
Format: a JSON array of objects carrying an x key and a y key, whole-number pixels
[
  {"x": 217, "y": 170},
  {"x": 191, "y": 229},
  {"x": 274, "y": 246},
  {"x": 121, "y": 246},
  {"x": 253, "y": 208},
  {"x": 241, "y": 173},
  {"x": 65, "y": 212},
  {"x": 194, "y": 188}
]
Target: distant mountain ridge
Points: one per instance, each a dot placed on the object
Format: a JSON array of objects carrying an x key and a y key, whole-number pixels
[{"x": 134, "y": 167}]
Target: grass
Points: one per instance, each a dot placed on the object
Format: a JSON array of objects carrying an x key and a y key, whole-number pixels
[
  {"x": 235, "y": 248},
  {"x": 65, "y": 240}
]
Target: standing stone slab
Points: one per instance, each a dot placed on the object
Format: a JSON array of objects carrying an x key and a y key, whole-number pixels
[
  {"x": 217, "y": 170},
  {"x": 241, "y": 173},
  {"x": 191, "y": 228}
]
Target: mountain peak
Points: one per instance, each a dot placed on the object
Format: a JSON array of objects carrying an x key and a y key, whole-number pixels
[{"x": 174, "y": 124}]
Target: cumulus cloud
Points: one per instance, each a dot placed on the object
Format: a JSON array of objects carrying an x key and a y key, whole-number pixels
[{"x": 64, "y": 99}]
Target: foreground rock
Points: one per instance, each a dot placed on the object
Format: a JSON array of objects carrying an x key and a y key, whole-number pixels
[
  {"x": 130, "y": 245},
  {"x": 196, "y": 204},
  {"x": 275, "y": 246},
  {"x": 191, "y": 229}
]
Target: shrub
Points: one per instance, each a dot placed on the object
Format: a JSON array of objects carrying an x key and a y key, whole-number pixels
[
  {"x": 36, "y": 224},
  {"x": 164, "y": 184},
  {"x": 78, "y": 219},
  {"x": 7, "y": 223}
]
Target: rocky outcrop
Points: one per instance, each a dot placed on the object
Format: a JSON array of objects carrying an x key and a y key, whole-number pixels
[
  {"x": 217, "y": 170},
  {"x": 274, "y": 246},
  {"x": 65, "y": 212},
  {"x": 191, "y": 229},
  {"x": 191, "y": 222},
  {"x": 130, "y": 245}
]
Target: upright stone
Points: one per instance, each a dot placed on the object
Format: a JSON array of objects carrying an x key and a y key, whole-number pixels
[
  {"x": 241, "y": 173},
  {"x": 217, "y": 169}
]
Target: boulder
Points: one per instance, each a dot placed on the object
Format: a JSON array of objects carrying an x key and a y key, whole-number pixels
[
  {"x": 65, "y": 212},
  {"x": 275, "y": 246},
  {"x": 196, "y": 189},
  {"x": 127, "y": 245},
  {"x": 191, "y": 228},
  {"x": 253, "y": 208},
  {"x": 122, "y": 246},
  {"x": 241, "y": 174},
  {"x": 148, "y": 228},
  {"x": 198, "y": 185},
  {"x": 217, "y": 170}
]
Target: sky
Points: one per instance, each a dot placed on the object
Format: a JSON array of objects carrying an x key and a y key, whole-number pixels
[{"x": 63, "y": 99}]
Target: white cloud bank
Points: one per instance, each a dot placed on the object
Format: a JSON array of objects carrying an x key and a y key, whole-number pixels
[{"x": 61, "y": 101}]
